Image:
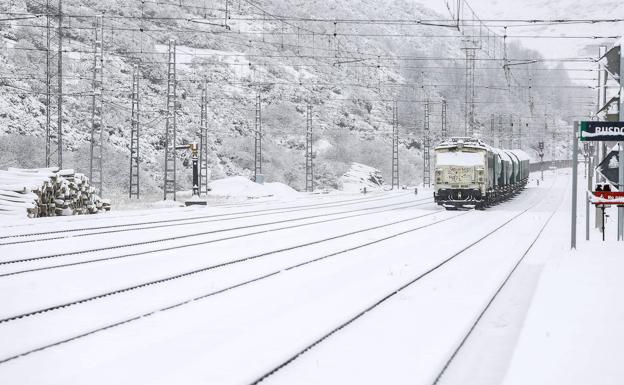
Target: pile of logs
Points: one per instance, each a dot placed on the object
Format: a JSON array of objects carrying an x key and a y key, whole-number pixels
[{"x": 47, "y": 192}]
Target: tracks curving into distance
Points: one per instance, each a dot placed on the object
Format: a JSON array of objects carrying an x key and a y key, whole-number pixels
[
  {"x": 52, "y": 234},
  {"x": 216, "y": 266},
  {"x": 399, "y": 289}
]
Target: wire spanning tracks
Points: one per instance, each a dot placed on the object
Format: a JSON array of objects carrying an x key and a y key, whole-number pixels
[
  {"x": 362, "y": 212},
  {"x": 391, "y": 294},
  {"x": 220, "y": 265},
  {"x": 108, "y": 229}
]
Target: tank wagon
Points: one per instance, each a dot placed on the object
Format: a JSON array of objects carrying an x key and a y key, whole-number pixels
[{"x": 471, "y": 174}]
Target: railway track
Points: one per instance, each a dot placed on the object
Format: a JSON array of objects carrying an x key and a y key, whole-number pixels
[
  {"x": 400, "y": 289},
  {"x": 52, "y": 234},
  {"x": 367, "y": 211},
  {"x": 495, "y": 295},
  {"x": 216, "y": 266}
]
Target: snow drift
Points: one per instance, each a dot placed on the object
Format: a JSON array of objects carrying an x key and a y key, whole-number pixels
[{"x": 241, "y": 187}]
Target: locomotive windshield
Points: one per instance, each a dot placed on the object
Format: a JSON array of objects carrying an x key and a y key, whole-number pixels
[{"x": 466, "y": 159}]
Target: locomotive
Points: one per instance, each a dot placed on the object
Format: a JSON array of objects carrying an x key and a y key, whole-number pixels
[{"x": 471, "y": 174}]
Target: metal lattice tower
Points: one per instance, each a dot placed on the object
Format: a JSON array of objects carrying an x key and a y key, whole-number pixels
[
  {"x": 309, "y": 151},
  {"x": 444, "y": 128},
  {"x": 258, "y": 140},
  {"x": 170, "y": 125},
  {"x": 469, "y": 113},
  {"x": 54, "y": 92},
  {"x": 395, "y": 145},
  {"x": 203, "y": 144},
  {"x": 134, "y": 135},
  {"x": 426, "y": 148},
  {"x": 97, "y": 133}
]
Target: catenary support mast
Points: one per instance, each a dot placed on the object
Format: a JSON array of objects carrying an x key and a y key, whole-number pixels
[
  {"x": 203, "y": 143},
  {"x": 134, "y": 135},
  {"x": 54, "y": 87},
  {"x": 97, "y": 133},
  {"x": 444, "y": 129},
  {"x": 395, "y": 145},
  {"x": 426, "y": 148},
  {"x": 258, "y": 141},
  {"x": 170, "y": 184},
  {"x": 309, "y": 151}
]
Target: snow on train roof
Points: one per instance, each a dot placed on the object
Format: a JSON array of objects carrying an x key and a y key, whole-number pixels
[
  {"x": 503, "y": 154},
  {"x": 463, "y": 142},
  {"x": 520, "y": 154}
]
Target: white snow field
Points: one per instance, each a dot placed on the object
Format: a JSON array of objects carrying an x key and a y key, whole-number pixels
[{"x": 382, "y": 288}]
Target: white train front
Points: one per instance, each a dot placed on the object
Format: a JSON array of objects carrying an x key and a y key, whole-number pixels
[{"x": 469, "y": 173}]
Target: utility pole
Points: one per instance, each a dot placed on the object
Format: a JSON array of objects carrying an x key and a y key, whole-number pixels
[
  {"x": 97, "y": 133},
  {"x": 203, "y": 143},
  {"x": 492, "y": 129},
  {"x": 134, "y": 135},
  {"x": 309, "y": 151},
  {"x": 258, "y": 143},
  {"x": 170, "y": 184},
  {"x": 395, "y": 145},
  {"x": 427, "y": 148},
  {"x": 444, "y": 128}
]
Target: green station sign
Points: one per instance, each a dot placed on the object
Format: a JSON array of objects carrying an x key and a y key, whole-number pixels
[{"x": 602, "y": 131}]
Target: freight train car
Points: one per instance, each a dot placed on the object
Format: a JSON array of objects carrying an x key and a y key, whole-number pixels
[{"x": 471, "y": 174}]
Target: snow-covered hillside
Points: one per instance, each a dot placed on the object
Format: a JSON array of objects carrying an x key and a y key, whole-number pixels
[{"x": 348, "y": 73}]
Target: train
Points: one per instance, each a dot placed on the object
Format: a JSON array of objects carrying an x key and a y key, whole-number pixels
[{"x": 471, "y": 174}]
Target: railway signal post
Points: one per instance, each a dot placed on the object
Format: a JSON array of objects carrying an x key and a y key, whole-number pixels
[{"x": 195, "y": 199}]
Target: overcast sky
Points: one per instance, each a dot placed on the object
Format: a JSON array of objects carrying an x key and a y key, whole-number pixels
[{"x": 551, "y": 9}]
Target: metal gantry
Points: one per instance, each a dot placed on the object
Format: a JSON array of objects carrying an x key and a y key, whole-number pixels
[
  {"x": 203, "y": 143},
  {"x": 97, "y": 133},
  {"x": 169, "y": 187},
  {"x": 395, "y": 145},
  {"x": 309, "y": 151},
  {"x": 426, "y": 148},
  {"x": 258, "y": 141},
  {"x": 134, "y": 135},
  {"x": 444, "y": 128},
  {"x": 54, "y": 92}
]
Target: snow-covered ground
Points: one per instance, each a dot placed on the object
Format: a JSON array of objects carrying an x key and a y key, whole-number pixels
[{"x": 303, "y": 288}]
